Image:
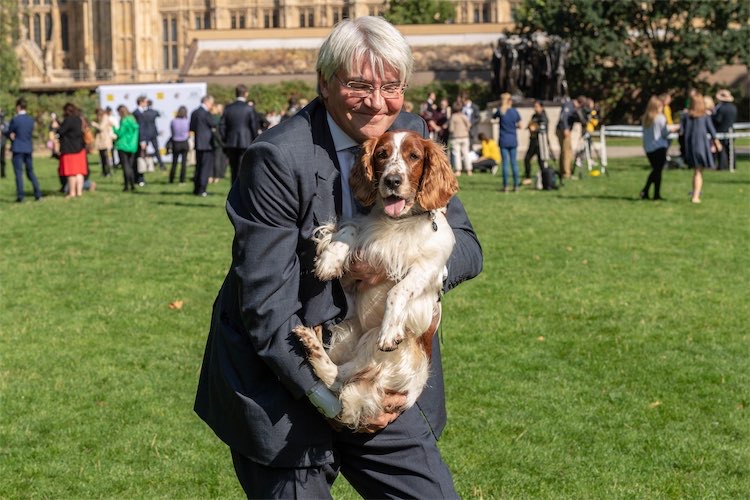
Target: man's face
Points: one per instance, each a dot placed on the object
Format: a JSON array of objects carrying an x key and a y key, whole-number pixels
[{"x": 361, "y": 118}]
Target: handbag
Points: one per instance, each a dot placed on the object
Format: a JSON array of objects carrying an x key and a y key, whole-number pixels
[{"x": 87, "y": 134}]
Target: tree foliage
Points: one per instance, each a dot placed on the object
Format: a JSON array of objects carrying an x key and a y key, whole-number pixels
[
  {"x": 623, "y": 51},
  {"x": 10, "y": 70},
  {"x": 420, "y": 11}
]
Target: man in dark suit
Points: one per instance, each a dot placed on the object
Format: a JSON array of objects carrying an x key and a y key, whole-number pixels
[
  {"x": 724, "y": 117},
  {"x": 202, "y": 126},
  {"x": 20, "y": 131},
  {"x": 138, "y": 114},
  {"x": 3, "y": 140},
  {"x": 238, "y": 128},
  {"x": 257, "y": 391},
  {"x": 149, "y": 134}
]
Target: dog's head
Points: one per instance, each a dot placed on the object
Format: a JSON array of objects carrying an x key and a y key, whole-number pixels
[{"x": 399, "y": 171}]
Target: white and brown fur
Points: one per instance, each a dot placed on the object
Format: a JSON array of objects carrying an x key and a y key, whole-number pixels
[{"x": 378, "y": 349}]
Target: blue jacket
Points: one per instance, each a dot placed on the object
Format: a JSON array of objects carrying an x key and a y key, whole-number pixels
[{"x": 23, "y": 126}]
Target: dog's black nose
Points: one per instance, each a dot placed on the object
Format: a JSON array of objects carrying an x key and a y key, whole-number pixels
[{"x": 392, "y": 181}]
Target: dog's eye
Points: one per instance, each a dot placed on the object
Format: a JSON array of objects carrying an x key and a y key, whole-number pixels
[
  {"x": 414, "y": 157},
  {"x": 382, "y": 154}
]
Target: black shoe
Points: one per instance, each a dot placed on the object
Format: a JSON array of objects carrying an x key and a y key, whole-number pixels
[
  {"x": 659, "y": 198},
  {"x": 643, "y": 195}
]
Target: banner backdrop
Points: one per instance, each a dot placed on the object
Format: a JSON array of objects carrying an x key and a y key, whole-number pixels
[{"x": 167, "y": 98}]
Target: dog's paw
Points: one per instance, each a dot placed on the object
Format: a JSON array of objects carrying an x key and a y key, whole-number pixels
[
  {"x": 330, "y": 263},
  {"x": 309, "y": 339},
  {"x": 390, "y": 338}
]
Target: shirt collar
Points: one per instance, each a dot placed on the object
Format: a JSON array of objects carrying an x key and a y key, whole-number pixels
[{"x": 341, "y": 141}]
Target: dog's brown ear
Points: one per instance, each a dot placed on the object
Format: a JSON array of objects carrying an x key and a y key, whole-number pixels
[
  {"x": 438, "y": 181},
  {"x": 362, "y": 179}
]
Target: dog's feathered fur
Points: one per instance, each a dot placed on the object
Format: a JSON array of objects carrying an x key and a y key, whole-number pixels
[{"x": 407, "y": 180}]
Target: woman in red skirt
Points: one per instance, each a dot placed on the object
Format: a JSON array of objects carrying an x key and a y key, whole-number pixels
[{"x": 73, "y": 162}]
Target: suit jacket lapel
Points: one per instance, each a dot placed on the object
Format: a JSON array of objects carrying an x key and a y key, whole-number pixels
[{"x": 321, "y": 134}]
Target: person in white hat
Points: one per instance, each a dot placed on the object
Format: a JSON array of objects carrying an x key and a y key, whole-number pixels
[{"x": 724, "y": 116}]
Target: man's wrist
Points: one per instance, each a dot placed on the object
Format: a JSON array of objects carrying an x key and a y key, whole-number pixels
[{"x": 324, "y": 400}]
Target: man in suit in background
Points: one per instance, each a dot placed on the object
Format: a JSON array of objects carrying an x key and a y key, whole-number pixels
[
  {"x": 3, "y": 140},
  {"x": 149, "y": 134},
  {"x": 202, "y": 126},
  {"x": 724, "y": 117},
  {"x": 257, "y": 390},
  {"x": 20, "y": 131},
  {"x": 238, "y": 128}
]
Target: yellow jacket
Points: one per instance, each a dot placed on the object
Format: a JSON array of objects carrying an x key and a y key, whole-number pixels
[{"x": 490, "y": 150}]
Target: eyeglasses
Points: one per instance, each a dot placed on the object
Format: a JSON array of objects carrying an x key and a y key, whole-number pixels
[{"x": 363, "y": 89}]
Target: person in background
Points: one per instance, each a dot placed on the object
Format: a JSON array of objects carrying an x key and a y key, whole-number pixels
[
  {"x": 471, "y": 111},
  {"x": 537, "y": 122},
  {"x": 256, "y": 389},
  {"x": 655, "y": 144},
  {"x": 127, "y": 146},
  {"x": 724, "y": 117},
  {"x": 220, "y": 158},
  {"x": 3, "y": 140},
  {"x": 21, "y": 131},
  {"x": 458, "y": 138},
  {"x": 180, "y": 127},
  {"x": 666, "y": 99},
  {"x": 203, "y": 126},
  {"x": 103, "y": 141},
  {"x": 238, "y": 128},
  {"x": 569, "y": 115},
  {"x": 490, "y": 157},
  {"x": 510, "y": 121},
  {"x": 696, "y": 127},
  {"x": 73, "y": 160}
]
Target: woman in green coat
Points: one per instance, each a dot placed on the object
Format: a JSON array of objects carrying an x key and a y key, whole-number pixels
[{"x": 126, "y": 145}]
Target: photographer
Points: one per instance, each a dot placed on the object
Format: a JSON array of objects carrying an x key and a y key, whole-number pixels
[
  {"x": 537, "y": 131},
  {"x": 570, "y": 113}
]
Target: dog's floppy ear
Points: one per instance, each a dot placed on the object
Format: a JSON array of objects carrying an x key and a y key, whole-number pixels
[
  {"x": 438, "y": 181},
  {"x": 362, "y": 179}
]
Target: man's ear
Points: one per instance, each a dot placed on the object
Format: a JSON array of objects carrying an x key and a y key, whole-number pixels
[{"x": 323, "y": 86}]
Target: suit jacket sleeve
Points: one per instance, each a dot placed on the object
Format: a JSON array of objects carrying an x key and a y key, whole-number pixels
[
  {"x": 264, "y": 211},
  {"x": 466, "y": 261}
]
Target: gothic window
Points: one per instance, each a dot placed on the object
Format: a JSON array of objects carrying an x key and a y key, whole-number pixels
[
  {"x": 27, "y": 25},
  {"x": 64, "y": 34},
  {"x": 48, "y": 26},
  {"x": 307, "y": 18},
  {"x": 38, "y": 29},
  {"x": 270, "y": 18},
  {"x": 169, "y": 41}
]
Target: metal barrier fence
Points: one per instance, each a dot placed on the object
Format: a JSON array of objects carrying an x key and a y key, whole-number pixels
[{"x": 637, "y": 131}]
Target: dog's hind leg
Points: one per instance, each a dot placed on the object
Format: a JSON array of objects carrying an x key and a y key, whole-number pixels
[{"x": 324, "y": 368}]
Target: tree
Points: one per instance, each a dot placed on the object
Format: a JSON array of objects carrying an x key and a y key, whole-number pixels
[
  {"x": 624, "y": 51},
  {"x": 420, "y": 11},
  {"x": 10, "y": 70}
]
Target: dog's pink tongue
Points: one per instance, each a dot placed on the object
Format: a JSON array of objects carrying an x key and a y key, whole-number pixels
[{"x": 394, "y": 205}]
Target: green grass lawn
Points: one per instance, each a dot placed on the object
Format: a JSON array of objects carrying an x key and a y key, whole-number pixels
[{"x": 602, "y": 353}]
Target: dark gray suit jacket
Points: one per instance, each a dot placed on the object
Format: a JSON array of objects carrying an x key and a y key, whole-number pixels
[
  {"x": 202, "y": 125},
  {"x": 239, "y": 125},
  {"x": 254, "y": 376}
]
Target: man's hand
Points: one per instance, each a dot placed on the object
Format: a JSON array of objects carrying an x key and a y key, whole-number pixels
[
  {"x": 393, "y": 405},
  {"x": 365, "y": 275}
]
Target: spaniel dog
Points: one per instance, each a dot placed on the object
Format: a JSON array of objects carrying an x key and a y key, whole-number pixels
[{"x": 406, "y": 181}]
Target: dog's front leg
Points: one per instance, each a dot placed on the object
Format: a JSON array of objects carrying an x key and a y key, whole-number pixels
[
  {"x": 334, "y": 252},
  {"x": 401, "y": 297}
]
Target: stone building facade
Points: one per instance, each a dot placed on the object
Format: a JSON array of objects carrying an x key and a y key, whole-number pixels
[{"x": 69, "y": 43}]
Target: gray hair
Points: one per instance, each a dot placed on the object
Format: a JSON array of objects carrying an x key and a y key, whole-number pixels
[{"x": 370, "y": 39}]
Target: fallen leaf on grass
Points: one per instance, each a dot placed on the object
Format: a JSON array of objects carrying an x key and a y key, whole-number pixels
[
  {"x": 177, "y": 304},
  {"x": 655, "y": 404},
  {"x": 541, "y": 338}
]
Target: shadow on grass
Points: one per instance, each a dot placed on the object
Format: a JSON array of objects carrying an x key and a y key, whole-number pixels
[{"x": 184, "y": 204}]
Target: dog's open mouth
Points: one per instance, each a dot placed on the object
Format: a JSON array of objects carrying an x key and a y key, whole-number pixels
[{"x": 394, "y": 205}]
